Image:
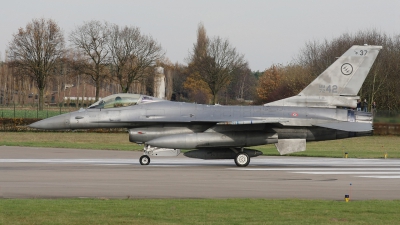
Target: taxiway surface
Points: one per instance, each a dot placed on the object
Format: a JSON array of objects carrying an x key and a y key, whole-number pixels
[{"x": 63, "y": 173}]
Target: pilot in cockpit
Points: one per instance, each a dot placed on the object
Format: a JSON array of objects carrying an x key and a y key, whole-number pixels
[
  {"x": 118, "y": 102},
  {"x": 101, "y": 104}
]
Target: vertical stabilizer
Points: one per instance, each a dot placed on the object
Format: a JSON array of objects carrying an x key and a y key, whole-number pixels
[{"x": 339, "y": 84}]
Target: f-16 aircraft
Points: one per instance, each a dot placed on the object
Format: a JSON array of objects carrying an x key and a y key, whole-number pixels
[{"x": 322, "y": 111}]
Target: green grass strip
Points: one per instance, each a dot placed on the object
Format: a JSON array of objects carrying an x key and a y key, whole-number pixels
[
  {"x": 358, "y": 147},
  {"x": 197, "y": 211}
]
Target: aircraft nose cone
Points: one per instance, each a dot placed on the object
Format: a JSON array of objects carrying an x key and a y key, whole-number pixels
[{"x": 52, "y": 123}]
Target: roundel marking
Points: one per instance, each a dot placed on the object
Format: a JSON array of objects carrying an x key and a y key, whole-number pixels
[{"x": 347, "y": 69}]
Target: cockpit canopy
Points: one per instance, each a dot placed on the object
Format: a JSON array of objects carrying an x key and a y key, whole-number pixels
[{"x": 122, "y": 100}]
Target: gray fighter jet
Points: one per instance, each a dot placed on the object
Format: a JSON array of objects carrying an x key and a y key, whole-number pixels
[{"x": 322, "y": 111}]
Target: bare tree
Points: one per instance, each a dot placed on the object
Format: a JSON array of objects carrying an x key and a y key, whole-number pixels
[
  {"x": 36, "y": 49},
  {"x": 214, "y": 61},
  {"x": 131, "y": 54},
  {"x": 217, "y": 67},
  {"x": 243, "y": 84},
  {"x": 91, "y": 40}
]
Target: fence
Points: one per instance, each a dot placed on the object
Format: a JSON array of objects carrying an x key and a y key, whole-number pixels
[
  {"x": 386, "y": 129},
  {"x": 386, "y": 116},
  {"x": 32, "y": 111}
]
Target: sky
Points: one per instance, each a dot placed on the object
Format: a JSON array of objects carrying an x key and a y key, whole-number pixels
[{"x": 266, "y": 32}]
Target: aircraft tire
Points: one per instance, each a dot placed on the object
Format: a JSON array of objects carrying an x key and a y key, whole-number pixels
[
  {"x": 144, "y": 160},
  {"x": 242, "y": 159}
]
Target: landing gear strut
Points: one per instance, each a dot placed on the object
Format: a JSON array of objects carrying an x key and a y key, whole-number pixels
[
  {"x": 144, "y": 160},
  {"x": 155, "y": 151},
  {"x": 242, "y": 159}
]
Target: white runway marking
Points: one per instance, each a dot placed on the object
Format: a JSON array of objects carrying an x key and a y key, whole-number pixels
[
  {"x": 86, "y": 161},
  {"x": 351, "y": 173},
  {"x": 154, "y": 161},
  {"x": 386, "y": 173},
  {"x": 312, "y": 169},
  {"x": 382, "y": 177}
]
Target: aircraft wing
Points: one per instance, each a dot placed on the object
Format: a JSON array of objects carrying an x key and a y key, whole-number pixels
[
  {"x": 217, "y": 121},
  {"x": 347, "y": 126},
  {"x": 257, "y": 121}
]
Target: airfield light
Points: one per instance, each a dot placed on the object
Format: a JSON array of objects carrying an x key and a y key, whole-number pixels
[
  {"x": 385, "y": 154},
  {"x": 347, "y": 198}
]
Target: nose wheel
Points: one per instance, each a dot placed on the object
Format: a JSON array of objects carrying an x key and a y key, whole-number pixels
[{"x": 144, "y": 160}]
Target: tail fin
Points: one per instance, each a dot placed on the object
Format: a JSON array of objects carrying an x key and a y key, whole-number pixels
[{"x": 339, "y": 84}]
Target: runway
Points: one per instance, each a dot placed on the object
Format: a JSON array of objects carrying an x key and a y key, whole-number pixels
[{"x": 75, "y": 173}]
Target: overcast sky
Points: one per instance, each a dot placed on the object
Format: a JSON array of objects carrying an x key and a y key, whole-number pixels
[{"x": 266, "y": 32}]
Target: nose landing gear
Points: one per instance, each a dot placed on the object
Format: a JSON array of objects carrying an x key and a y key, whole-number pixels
[
  {"x": 154, "y": 151},
  {"x": 144, "y": 160}
]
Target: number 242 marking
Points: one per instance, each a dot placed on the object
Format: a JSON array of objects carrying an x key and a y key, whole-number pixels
[{"x": 332, "y": 89}]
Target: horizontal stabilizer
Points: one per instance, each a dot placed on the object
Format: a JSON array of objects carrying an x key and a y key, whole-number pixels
[
  {"x": 347, "y": 126},
  {"x": 287, "y": 146}
]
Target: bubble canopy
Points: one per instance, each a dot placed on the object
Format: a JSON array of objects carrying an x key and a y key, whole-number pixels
[{"x": 122, "y": 100}]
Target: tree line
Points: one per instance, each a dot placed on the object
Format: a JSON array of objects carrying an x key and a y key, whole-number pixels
[
  {"x": 122, "y": 59},
  {"x": 100, "y": 51},
  {"x": 104, "y": 55}
]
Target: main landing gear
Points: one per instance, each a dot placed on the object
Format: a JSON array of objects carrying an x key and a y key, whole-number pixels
[{"x": 242, "y": 159}]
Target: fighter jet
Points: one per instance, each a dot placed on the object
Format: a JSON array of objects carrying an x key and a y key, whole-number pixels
[{"x": 322, "y": 111}]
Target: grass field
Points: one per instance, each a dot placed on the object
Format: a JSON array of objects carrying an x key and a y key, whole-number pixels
[
  {"x": 359, "y": 147},
  {"x": 80, "y": 140},
  {"x": 196, "y": 211}
]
